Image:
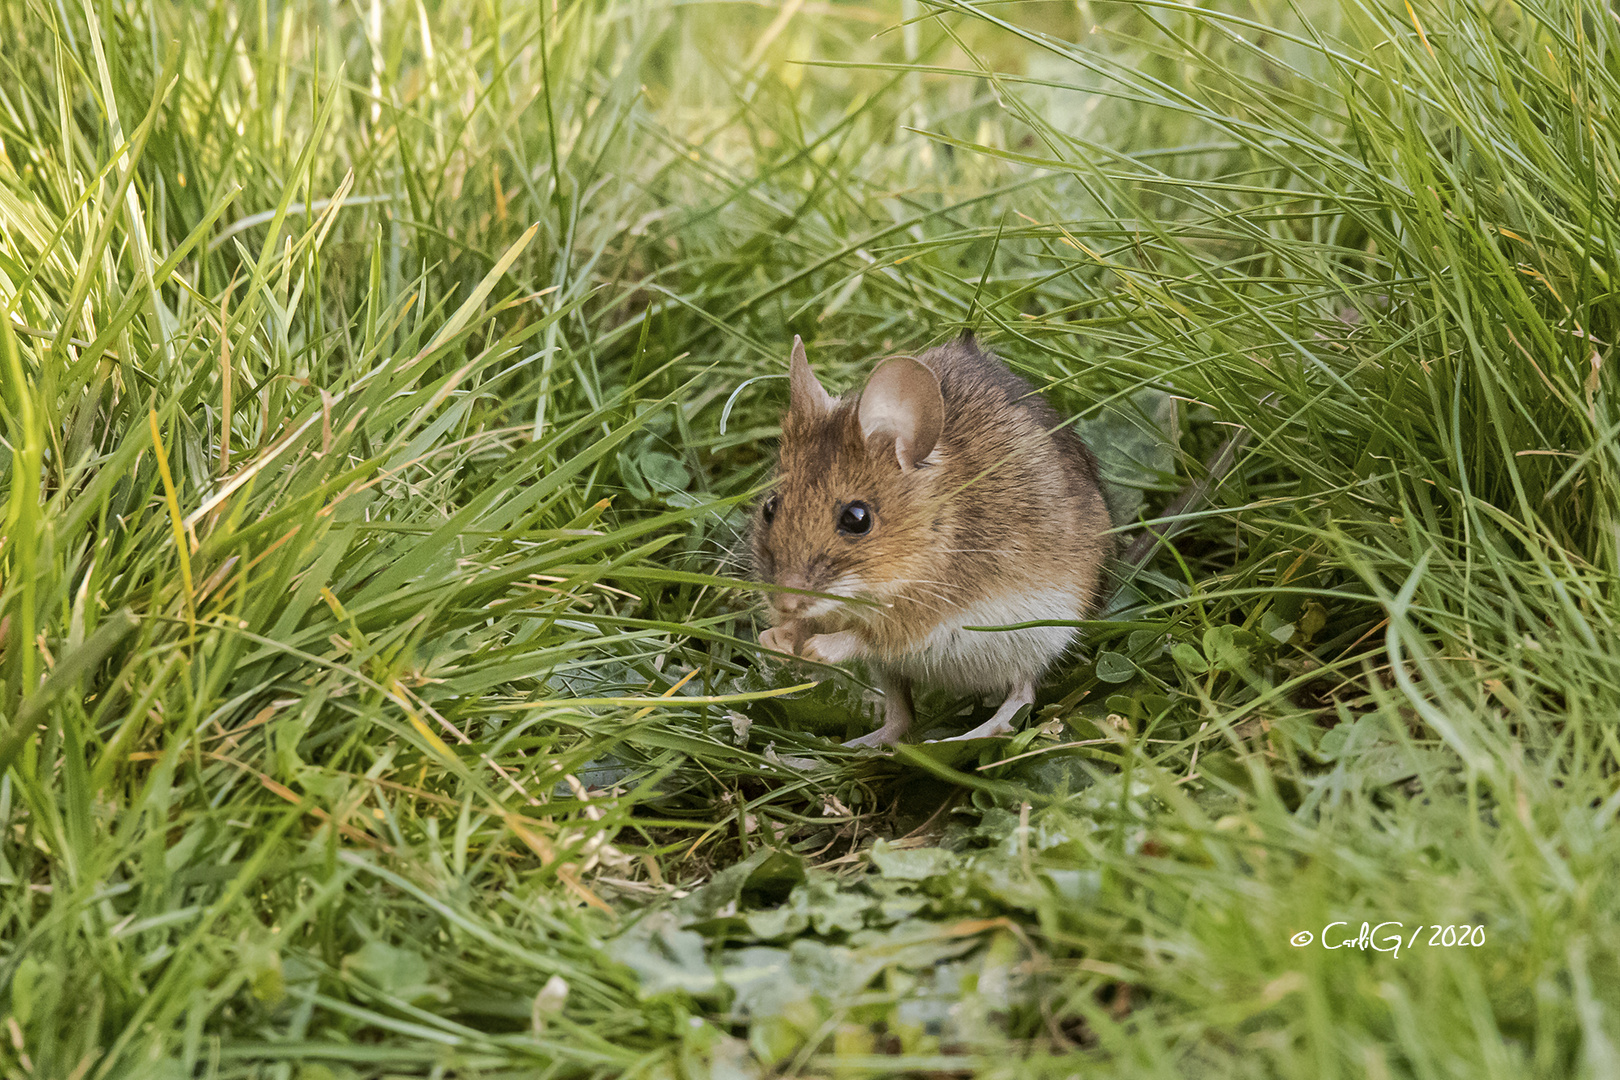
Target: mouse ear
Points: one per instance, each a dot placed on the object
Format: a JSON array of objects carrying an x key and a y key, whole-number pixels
[
  {"x": 902, "y": 402},
  {"x": 805, "y": 395}
]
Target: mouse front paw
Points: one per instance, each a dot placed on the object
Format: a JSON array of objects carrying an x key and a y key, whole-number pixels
[
  {"x": 831, "y": 648},
  {"x": 784, "y": 638}
]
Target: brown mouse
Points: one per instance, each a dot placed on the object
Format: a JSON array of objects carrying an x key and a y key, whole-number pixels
[{"x": 947, "y": 494}]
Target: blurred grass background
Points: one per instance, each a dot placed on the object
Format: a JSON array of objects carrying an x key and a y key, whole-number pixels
[{"x": 384, "y": 387}]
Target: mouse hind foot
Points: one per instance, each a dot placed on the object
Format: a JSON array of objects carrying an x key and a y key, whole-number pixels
[{"x": 1001, "y": 723}]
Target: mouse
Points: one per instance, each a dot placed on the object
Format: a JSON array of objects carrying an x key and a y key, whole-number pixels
[{"x": 945, "y": 494}]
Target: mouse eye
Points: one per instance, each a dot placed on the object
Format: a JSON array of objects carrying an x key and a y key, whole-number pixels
[
  {"x": 768, "y": 512},
  {"x": 855, "y": 519}
]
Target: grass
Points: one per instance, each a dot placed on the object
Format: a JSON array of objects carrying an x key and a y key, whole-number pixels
[{"x": 384, "y": 389}]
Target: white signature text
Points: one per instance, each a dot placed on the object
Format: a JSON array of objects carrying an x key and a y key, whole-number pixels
[{"x": 1390, "y": 937}]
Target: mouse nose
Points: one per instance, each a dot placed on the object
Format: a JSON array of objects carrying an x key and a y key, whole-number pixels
[{"x": 792, "y": 603}]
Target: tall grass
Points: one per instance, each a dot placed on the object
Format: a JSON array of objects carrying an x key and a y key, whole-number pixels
[{"x": 384, "y": 387}]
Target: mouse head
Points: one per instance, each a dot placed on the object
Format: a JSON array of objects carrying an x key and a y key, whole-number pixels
[{"x": 851, "y": 507}]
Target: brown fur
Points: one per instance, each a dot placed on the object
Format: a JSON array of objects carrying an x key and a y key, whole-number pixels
[{"x": 1008, "y": 503}]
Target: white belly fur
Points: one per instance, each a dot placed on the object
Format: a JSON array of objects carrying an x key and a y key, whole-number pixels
[{"x": 979, "y": 660}]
